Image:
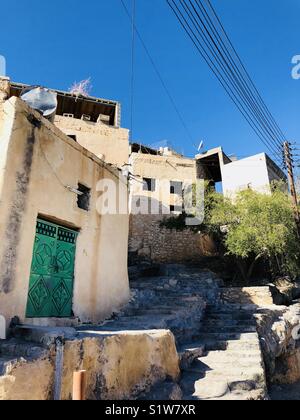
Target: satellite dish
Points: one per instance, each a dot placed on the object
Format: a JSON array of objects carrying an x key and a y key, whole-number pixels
[{"x": 41, "y": 99}]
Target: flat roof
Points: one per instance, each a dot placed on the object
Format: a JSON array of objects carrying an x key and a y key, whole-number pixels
[{"x": 69, "y": 103}]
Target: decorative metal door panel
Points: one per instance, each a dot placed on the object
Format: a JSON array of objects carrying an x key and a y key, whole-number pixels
[{"x": 52, "y": 272}]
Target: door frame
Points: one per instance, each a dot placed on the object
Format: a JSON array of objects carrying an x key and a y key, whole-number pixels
[{"x": 53, "y": 275}]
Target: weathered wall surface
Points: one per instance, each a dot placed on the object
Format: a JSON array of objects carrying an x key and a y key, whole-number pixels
[
  {"x": 119, "y": 366},
  {"x": 108, "y": 143},
  {"x": 37, "y": 162},
  {"x": 279, "y": 329},
  {"x": 163, "y": 169},
  {"x": 30, "y": 381},
  {"x": 149, "y": 240}
]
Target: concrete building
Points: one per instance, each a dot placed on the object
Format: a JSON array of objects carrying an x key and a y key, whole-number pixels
[
  {"x": 256, "y": 172},
  {"x": 61, "y": 262},
  {"x": 156, "y": 193}
]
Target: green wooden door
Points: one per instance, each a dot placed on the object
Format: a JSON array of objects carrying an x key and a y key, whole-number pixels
[{"x": 52, "y": 272}]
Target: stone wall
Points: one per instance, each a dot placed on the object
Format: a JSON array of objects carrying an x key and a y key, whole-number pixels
[
  {"x": 159, "y": 244},
  {"x": 279, "y": 328}
]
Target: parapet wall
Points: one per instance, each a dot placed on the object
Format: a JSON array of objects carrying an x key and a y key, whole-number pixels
[{"x": 119, "y": 366}]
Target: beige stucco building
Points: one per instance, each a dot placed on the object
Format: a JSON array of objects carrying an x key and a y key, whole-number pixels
[
  {"x": 60, "y": 260},
  {"x": 160, "y": 180},
  {"x": 161, "y": 176}
]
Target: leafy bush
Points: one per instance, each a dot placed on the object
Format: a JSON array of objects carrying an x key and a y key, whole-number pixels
[{"x": 257, "y": 227}]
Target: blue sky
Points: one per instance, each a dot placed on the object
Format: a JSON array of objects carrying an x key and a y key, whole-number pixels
[{"x": 56, "y": 43}]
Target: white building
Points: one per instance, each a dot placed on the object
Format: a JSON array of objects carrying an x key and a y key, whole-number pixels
[{"x": 254, "y": 172}]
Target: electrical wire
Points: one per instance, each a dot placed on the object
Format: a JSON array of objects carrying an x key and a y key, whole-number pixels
[
  {"x": 133, "y": 12},
  {"x": 160, "y": 77},
  {"x": 221, "y": 78},
  {"x": 235, "y": 71},
  {"x": 240, "y": 88},
  {"x": 245, "y": 70}
]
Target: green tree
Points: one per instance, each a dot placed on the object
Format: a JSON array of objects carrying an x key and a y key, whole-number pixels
[{"x": 258, "y": 227}]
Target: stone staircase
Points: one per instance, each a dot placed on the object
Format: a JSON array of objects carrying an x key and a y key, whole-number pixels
[
  {"x": 217, "y": 341},
  {"x": 175, "y": 301},
  {"x": 232, "y": 366}
]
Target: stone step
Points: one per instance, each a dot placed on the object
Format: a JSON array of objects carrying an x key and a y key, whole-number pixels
[
  {"x": 224, "y": 322},
  {"x": 222, "y": 345},
  {"x": 238, "y": 372},
  {"x": 238, "y": 363},
  {"x": 220, "y": 336},
  {"x": 214, "y": 388},
  {"x": 16, "y": 348},
  {"x": 207, "y": 389},
  {"x": 245, "y": 380},
  {"x": 231, "y": 307},
  {"x": 145, "y": 311},
  {"x": 228, "y": 313},
  {"x": 238, "y": 316},
  {"x": 188, "y": 353},
  {"x": 230, "y": 356},
  {"x": 227, "y": 329}
]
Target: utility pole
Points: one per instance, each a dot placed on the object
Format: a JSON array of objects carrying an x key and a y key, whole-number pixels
[{"x": 290, "y": 169}]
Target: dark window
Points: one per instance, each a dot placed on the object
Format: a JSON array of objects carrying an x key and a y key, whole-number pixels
[
  {"x": 73, "y": 137},
  {"x": 83, "y": 200},
  {"x": 176, "y": 187},
  {"x": 149, "y": 184},
  {"x": 177, "y": 209}
]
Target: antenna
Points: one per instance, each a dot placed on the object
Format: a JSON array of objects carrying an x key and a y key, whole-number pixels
[{"x": 200, "y": 146}]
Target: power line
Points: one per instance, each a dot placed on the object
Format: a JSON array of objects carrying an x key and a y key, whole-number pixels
[
  {"x": 245, "y": 70},
  {"x": 233, "y": 78},
  {"x": 220, "y": 77},
  {"x": 132, "y": 65},
  {"x": 235, "y": 70},
  {"x": 230, "y": 74},
  {"x": 160, "y": 77},
  {"x": 202, "y": 31}
]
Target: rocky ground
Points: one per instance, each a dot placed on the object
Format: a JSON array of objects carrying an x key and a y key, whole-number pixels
[{"x": 231, "y": 344}]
